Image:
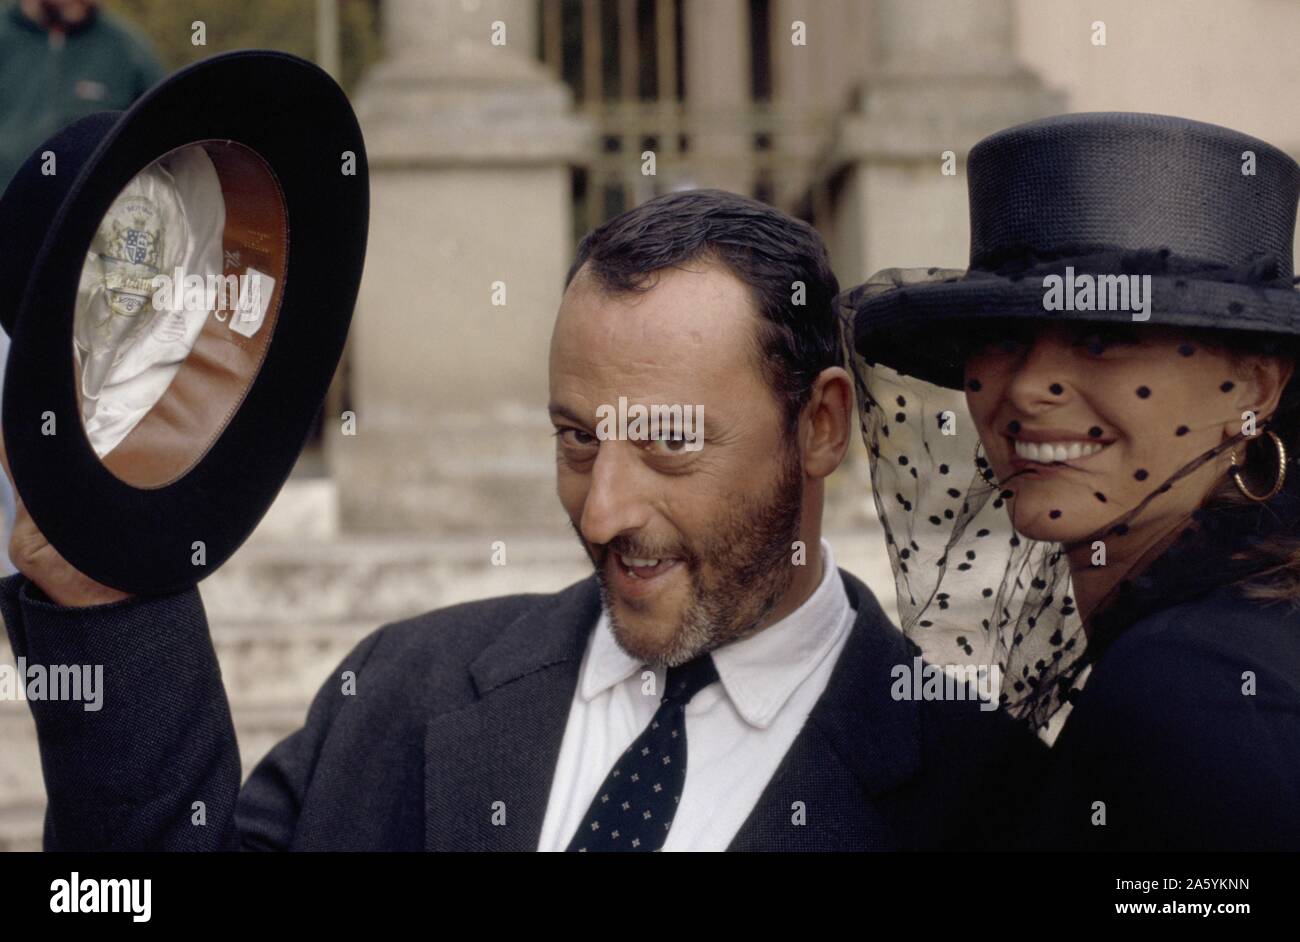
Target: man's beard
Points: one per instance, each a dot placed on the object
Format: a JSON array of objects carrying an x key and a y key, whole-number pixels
[{"x": 749, "y": 568}]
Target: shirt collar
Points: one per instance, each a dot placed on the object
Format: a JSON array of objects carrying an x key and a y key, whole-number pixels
[{"x": 760, "y": 672}]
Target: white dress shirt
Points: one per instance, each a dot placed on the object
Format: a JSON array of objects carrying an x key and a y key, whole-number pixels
[{"x": 737, "y": 730}]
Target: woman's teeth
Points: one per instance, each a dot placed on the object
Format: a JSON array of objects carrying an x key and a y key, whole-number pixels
[{"x": 1055, "y": 451}]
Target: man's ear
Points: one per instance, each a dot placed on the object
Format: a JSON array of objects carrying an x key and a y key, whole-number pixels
[{"x": 827, "y": 422}]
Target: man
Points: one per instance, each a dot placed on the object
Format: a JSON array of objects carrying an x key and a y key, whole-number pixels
[
  {"x": 61, "y": 60},
  {"x": 716, "y": 684}
]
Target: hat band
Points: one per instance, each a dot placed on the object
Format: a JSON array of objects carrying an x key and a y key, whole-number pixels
[{"x": 1264, "y": 270}]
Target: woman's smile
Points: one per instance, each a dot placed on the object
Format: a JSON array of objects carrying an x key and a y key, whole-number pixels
[{"x": 1050, "y": 449}]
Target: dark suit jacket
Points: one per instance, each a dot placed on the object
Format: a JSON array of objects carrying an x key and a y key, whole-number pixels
[
  {"x": 456, "y": 714},
  {"x": 1188, "y": 732}
]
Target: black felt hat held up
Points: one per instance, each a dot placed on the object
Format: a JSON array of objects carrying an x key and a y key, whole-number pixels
[{"x": 192, "y": 478}]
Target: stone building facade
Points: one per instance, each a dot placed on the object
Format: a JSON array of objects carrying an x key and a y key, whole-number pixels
[{"x": 499, "y": 130}]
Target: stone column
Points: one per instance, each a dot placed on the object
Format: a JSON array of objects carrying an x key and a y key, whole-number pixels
[
  {"x": 942, "y": 74},
  {"x": 799, "y": 81},
  {"x": 470, "y": 143},
  {"x": 811, "y": 82},
  {"x": 718, "y": 93}
]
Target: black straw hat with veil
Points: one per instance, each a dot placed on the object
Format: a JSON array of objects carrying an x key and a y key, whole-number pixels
[{"x": 1067, "y": 214}]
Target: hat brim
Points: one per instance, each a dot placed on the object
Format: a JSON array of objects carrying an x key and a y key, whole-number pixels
[
  {"x": 146, "y": 540},
  {"x": 918, "y": 329}
]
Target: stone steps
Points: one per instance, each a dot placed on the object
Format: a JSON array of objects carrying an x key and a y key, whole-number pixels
[
  {"x": 380, "y": 579},
  {"x": 21, "y": 826}
]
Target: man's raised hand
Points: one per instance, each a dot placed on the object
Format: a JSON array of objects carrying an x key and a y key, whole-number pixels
[{"x": 40, "y": 562}]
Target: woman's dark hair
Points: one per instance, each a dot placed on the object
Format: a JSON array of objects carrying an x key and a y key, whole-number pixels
[
  {"x": 1278, "y": 576},
  {"x": 780, "y": 258}
]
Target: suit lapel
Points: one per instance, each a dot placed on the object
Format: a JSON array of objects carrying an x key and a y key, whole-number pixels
[
  {"x": 489, "y": 765},
  {"x": 857, "y": 745}
]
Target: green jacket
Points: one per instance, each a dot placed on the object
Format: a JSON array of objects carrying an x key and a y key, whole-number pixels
[{"x": 45, "y": 83}]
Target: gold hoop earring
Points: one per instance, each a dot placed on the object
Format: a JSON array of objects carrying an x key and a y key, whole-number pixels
[{"x": 1281, "y": 472}]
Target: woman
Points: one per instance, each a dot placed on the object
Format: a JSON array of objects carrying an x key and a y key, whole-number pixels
[{"x": 1126, "y": 340}]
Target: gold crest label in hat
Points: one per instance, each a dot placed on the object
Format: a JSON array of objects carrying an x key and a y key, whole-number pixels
[
  {"x": 128, "y": 249},
  {"x": 132, "y": 237}
]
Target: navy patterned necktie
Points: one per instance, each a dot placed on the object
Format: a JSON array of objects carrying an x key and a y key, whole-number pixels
[{"x": 634, "y": 806}]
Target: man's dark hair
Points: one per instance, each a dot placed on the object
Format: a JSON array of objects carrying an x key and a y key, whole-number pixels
[{"x": 763, "y": 247}]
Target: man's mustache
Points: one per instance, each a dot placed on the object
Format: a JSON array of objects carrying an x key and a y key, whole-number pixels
[{"x": 628, "y": 546}]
